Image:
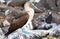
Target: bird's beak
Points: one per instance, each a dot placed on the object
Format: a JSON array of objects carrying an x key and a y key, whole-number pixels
[{"x": 34, "y": 7}]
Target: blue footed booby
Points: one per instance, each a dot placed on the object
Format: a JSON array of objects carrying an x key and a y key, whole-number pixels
[{"x": 24, "y": 21}]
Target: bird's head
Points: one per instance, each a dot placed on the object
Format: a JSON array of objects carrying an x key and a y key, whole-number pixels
[{"x": 27, "y": 6}]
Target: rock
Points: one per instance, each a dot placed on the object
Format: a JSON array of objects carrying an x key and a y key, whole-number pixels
[
  {"x": 15, "y": 2},
  {"x": 2, "y": 1},
  {"x": 56, "y": 18},
  {"x": 35, "y": 37},
  {"x": 46, "y": 4},
  {"x": 41, "y": 5},
  {"x": 1, "y": 34},
  {"x": 58, "y": 5},
  {"x": 48, "y": 19},
  {"x": 52, "y": 4}
]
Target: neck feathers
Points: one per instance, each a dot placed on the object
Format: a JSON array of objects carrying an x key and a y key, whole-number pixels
[{"x": 29, "y": 10}]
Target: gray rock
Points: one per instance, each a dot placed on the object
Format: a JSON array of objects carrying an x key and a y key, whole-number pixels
[
  {"x": 56, "y": 18},
  {"x": 46, "y": 4},
  {"x": 15, "y": 2}
]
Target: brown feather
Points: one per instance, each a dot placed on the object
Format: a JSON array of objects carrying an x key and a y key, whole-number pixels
[{"x": 17, "y": 23}]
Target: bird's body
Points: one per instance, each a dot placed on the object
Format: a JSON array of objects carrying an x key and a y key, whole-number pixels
[
  {"x": 17, "y": 23},
  {"x": 30, "y": 12},
  {"x": 23, "y": 21}
]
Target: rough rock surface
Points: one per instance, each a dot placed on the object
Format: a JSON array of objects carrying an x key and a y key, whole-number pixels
[{"x": 15, "y": 2}]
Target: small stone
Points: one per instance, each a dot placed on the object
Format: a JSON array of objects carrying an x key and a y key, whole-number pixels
[
  {"x": 6, "y": 23},
  {"x": 2, "y": 1}
]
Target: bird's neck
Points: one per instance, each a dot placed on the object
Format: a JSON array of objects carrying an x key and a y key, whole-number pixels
[{"x": 30, "y": 13}]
